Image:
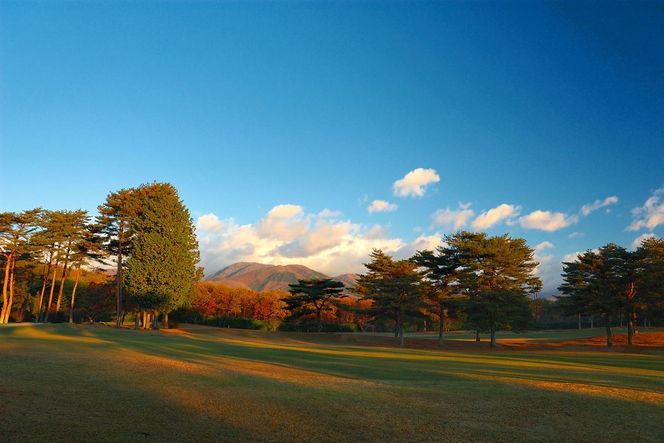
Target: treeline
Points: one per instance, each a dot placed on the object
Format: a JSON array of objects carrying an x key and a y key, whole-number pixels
[
  {"x": 474, "y": 280},
  {"x": 216, "y": 304},
  {"x": 487, "y": 284},
  {"x": 145, "y": 233},
  {"x": 612, "y": 283},
  {"x": 139, "y": 256}
]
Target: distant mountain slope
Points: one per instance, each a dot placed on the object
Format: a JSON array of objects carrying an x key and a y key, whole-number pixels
[
  {"x": 347, "y": 279},
  {"x": 260, "y": 277}
]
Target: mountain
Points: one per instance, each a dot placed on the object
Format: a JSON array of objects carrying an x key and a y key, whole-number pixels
[
  {"x": 347, "y": 279},
  {"x": 260, "y": 277}
]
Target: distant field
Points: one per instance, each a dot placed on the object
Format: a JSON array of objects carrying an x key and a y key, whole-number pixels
[{"x": 204, "y": 384}]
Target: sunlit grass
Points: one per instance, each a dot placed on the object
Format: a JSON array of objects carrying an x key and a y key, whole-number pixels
[{"x": 64, "y": 383}]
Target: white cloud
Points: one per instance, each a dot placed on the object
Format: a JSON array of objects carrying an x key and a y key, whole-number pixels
[
  {"x": 381, "y": 206},
  {"x": 328, "y": 213},
  {"x": 414, "y": 183},
  {"x": 547, "y": 220},
  {"x": 597, "y": 204},
  {"x": 283, "y": 222},
  {"x": 493, "y": 216},
  {"x": 543, "y": 246},
  {"x": 209, "y": 223},
  {"x": 650, "y": 215},
  {"x": 576, "y": 234},
  {"x": 638, "y": 240},
  {"x": 453, "y": 219},
  {"x": 289, "y": 235}
]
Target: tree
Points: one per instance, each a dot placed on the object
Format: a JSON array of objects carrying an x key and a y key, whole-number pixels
[
  {"x": 601, "y": 283},
  {"x": 496, "y": 275},
  {"x": 161, "y": 270},
  {"x": 71, "y": 233},
  {"x": 650, "y": 278},
  {"x": 15, "y": 232},
  {"x": 440, "y": 271},
  {"x": 87, "y": 247},
  {"x": 394, "y": 286},
  {"x": 114, "y": 225},
  {"x": 313, "y": 296}
]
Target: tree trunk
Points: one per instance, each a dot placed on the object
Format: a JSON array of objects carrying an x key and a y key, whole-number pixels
[
  {"x": 50, "y": 295},
  {"x": 43, "y": 289},
  {"x": 493, "y": 337},
  {"x": 441, "y": 325},
  {"x": 10, "y": 303},
  {"x": 73, "y": 296},
  {"x": 118, "y": 281},
  {"x": 631, "y": 325},
  {"x": 137, "y": 320},
  {"x": 401, "y": 338},
  {"x": 477, "y": 336},
  {"x": 592, "y": 322},
  {"x": 165, "y": 322},
  {"x": 319, "y": 323},
  {"x": 609, "y": 334},
  {"x": 62, "y": 284},
  {"x": 5, "y": 285},
  {"x": 579, "y": 320},
  {"x": 155, "y": 320}
]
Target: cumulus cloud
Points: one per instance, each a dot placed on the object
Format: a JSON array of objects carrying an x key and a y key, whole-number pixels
[
  {"x": 598, "y": 204},
  {"x": 650, "y": 215},
  {"x": 287, "y": 235},
  {"x": 415, "y": 183},
  {"x": 576, "y": 234},
  {"x": 209, "y": 223},
  {"x": 638, "y": 240},
  {"x": 328, "y": 213},
  {"x": 547, "y": 220},
  {"x": 539, "y": 248},
  {"x": 493, "y": 216},
  {"x": 453, "y": 218},
  {"x": 381, "y": 206}
]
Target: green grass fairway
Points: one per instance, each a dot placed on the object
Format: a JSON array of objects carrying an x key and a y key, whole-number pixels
[{"x": 202, "y": 384}]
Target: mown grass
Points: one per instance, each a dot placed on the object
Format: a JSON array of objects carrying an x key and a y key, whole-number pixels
[{"x": 95, "y": 383}]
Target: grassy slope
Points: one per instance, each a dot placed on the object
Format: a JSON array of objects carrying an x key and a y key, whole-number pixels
[{"x": 96, "y": 383}]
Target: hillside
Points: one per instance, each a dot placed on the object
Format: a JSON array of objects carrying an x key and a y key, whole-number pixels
[{"x": 260, "y": 277}]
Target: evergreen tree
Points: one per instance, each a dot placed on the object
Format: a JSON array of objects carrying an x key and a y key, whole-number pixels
[
  {"x": 440, "y": 272},
  {"x": 15, "y": 232},
  {"x": 114, "y": 226},
  {"x": 496, "y": 274},
  {"x": 601, "y": 283},
  {"x": 313, "y": 296},
  {"x": 394, "y": 286},
  {"x": 650, "y": 256},
  {"x": 161, "y": 270}
]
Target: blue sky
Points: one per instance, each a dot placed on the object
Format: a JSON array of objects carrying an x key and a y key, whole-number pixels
[{"x": 245, "y": 106}]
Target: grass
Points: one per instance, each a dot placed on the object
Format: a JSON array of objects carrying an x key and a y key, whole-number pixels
[{"x": 95, "y": 383}]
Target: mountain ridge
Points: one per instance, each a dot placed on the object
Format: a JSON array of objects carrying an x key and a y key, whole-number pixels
[{"x": 266, "y": 277}]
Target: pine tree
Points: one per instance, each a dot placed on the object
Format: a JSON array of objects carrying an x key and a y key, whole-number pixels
[
  {"x": 496, "y": 274},
  {"x": 313, "y": 296},
  {"x": 114, "y": 226},
  {"x": 15, "y": 232},
  {"x": 601, "y": 283},
  {"x": 394, "y": 286}
]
